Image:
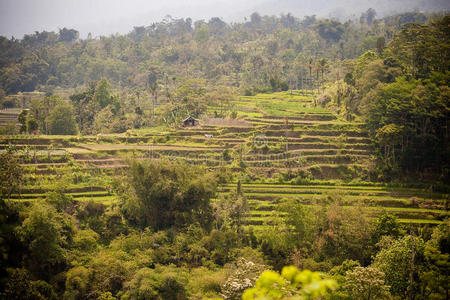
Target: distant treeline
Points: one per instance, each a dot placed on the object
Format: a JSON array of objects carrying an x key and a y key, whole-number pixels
[{"x": 263, "y": 52}]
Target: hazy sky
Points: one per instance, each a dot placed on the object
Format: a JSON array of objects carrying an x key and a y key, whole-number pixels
[
  {"x": 18, "y": 17},
  {"x": 105, "y": 17}
]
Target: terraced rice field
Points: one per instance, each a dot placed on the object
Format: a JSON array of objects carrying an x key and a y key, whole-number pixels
[
  {"x": 9, "y": 116},
  {"x": 274, "y": 133},
  {"x": 410, "y": 205}
]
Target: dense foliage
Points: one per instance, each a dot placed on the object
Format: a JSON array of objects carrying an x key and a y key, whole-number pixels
[
  {"x": 84, "y": 250},
  {"x": 266, "y": 52},
  {"x": 161, "y": 195},
  {"x": 402, "y": 94}
]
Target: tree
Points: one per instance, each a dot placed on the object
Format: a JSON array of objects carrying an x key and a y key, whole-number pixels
[
  {"x": 68, "y": 35},
  {"x": 386, "y": 225},
  {"x": 301, "y": 220},
  {"x": 329, "y": 30},
  {"x": 436, "y": 283},
  {"x": 102, "y": 93},
  {"x": 86, "y": 108},
  {"x": 366, "y": 283},
  {"x": 40, "y": 109},
  {"x": 406, "y": 118},
  {"x": 201, "y": 34},
  {"x": 402, "y": 262},
  {"x": 105, "y": 272},
  {"x": 106, "y": 121},
  {"x": 77, "y": 282},
  {"x": 191, "y": 96},
  {"x": 381, "y": 42},
  {"x": 160, "y": 283},
  {"x": 161, "y": 194},
  {"x": 152, "y": 83},
  {"x": 217, "y": 26},
  {"x": 46, "y": 234},
  {"x": 389, "y": 136},
  {"x": 11, "y": 175},
  {"x": 62, "y": 120},
  {"x": 32, "y": 125},
  {"x": 242, "y": 278},
  {"x": 255, "y": 18},
  {"x": 23, "y": 117},
  {"x": 345, "y": 233},
  {"x": 370, "y": 16},
  {"x": 21, "y": 286},
  {"x": 310, "y": 67},
  {"x": 323, "y": 67},
  {"x": 11, "y": 248},
  {"x": 230, "y": 211}
]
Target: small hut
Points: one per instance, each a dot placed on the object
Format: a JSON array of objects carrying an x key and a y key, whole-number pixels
[{"x": 190, "y": 121}]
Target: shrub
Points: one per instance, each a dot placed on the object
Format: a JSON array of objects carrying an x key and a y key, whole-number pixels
[
  {"x": 204, "y": 282},
  {"x": 243, "y": 277},
  {"x": 292, "y": 282}
]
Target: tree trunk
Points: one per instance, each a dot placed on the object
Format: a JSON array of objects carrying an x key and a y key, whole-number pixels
[{"x": 411, "y": 272}]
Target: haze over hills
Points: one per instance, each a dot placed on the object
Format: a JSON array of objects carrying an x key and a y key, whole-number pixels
[
  {"x": 344, "y": 9},
  {"x": 19, "y": 17}
]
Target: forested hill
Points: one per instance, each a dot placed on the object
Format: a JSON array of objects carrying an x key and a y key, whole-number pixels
[{"x": 265, "y": 51}]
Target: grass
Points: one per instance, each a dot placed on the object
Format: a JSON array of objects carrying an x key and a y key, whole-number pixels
[
  {"x": 282, "y": 108},
  {"x": 279, "y": 104},
  {"x": 148, "y": 147},
  {"x": 156, "y": 130},
  {"x": 107, "y": 200},
  {"x": 420, "y": 221},
  {"x": 76, "y": 150},
  {"x": 259, "y": 228}
]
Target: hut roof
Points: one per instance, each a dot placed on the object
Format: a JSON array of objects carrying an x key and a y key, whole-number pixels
[{"x": 190, "y": 118}]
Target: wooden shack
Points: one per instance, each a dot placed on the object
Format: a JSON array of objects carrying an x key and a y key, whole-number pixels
[{"x": 190, "y": 121}]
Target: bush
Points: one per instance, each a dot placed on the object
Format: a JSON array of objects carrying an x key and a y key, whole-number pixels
[
  {"x": 226, "y": 155},
  {"x": 159, "y": 283},
  {"x": 206, "y": 283},
  {"x": 243, "y": 277},
  {"x": 292, "y": 282},
  {"x": 249, "y": 92}
]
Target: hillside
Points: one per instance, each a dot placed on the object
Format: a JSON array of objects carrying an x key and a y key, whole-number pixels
[
  {"x": 280, "y": 143},
  {"x": 276, "y": 158}
]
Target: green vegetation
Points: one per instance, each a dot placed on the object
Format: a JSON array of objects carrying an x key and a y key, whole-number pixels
[
  {"x": 160, "y": 196},
  {"x": 305, "y": 284},
  {"x": 318, "y": 170},
  {"x": 401, "y": 92}
]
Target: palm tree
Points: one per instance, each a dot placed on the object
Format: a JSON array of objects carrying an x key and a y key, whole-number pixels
[
  {"x": 153, "y": 85},
  {"x": 323, "y": 66},
  {"x": 310, "y": 66}
]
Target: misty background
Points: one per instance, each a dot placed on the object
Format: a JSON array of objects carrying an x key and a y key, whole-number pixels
[{"x": 106, "y": 17}]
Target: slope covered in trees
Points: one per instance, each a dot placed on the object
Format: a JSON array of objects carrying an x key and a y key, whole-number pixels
[
  {"x": 401, "y": 92},
  {"x": 260, "y": 53}
]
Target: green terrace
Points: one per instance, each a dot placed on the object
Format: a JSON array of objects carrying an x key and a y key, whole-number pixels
[
  {"x": 410, "y": 205},
  {"x": 273, "y": 133}
]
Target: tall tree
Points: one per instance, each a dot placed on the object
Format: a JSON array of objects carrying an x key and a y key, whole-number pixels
[
  {"x": 11, "y": 175},
  {"x": 152, "y": 83},
  {"x": 62, "y": 120},
  {"x": 161, "y": 194},
  {"x": 68, "y": 35}
]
